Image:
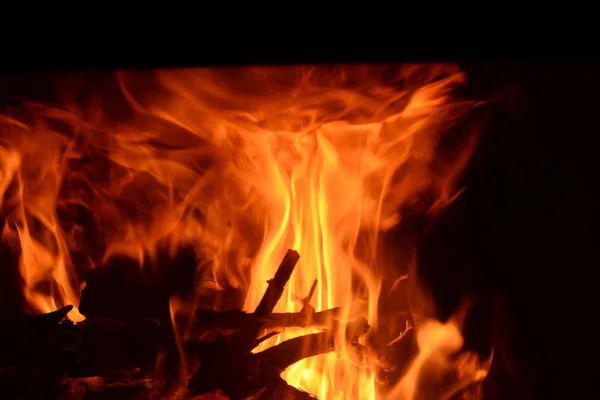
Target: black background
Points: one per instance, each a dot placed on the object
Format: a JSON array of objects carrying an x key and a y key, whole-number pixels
[{"x": 525, "y": 227}]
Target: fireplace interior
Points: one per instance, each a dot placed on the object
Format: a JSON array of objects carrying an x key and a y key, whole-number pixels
[{"x": 267, "y": 232}]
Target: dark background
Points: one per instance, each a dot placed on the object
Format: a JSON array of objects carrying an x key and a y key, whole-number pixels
[{"x": 524, "y": 230}]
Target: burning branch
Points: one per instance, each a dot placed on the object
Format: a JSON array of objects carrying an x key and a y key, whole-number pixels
[
  {"x": 238, "y": 371},
  {"x": 281, "y": 390},
  {"x": 402, "y": 334},
  {"x": 208, "y": 320},
  {"x": 249, "y": 332},
  {"x": 106, "y": 347},
  {"x": 291, "y": 351},
  {"x": 277, "y": 284},
  {"x": 241, "y": 374},
  {"x": 211, "y": 320}
]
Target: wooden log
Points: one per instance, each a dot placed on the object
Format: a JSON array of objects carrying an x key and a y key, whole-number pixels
[
  {"x": 277, "y": 284},
  {"x": 35, "y": 353},
  {"x": 291, "y": 351},
  {"x": 281, "y": 390},
  {"x": 42, "y": 341},
  {"x": 111, "y": 347},
  {"x": 108, "y": 347},
  {"x": 240, "y": 374},
  {"x": 36, "y": 321},
  {"x": 207, "y": 320},
  {"x": 109, "y": 387},
  {"x": 123, "y": 289},
  {"x": 246, "y": 337}
]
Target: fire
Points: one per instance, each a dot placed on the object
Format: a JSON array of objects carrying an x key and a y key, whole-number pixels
[
  {"x": 31, "y": 170},
  {"x": 244, "y": 164},
  {"x": 436, "y": 369}
]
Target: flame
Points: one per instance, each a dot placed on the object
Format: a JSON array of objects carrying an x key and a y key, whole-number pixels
[
  {"x": 31, "y": 172},
  {"x": 437, "y": 368},
  {"x": 244, "y": 164}
]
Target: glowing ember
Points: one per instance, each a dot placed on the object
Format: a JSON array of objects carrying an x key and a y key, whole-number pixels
[{"x": 244, "y": 164}]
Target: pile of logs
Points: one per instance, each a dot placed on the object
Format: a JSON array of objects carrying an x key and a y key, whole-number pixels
[{"x": 139, "y": 357}]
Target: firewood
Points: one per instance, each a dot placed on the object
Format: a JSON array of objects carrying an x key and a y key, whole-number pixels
[
  {"x": 36, "y": 321},
  {"x": 210, "y": 320},
  {"x": 247, "y": 336},
  {"x": 111, "y": 347},
  {"x": 356, "y": 329},
  {"x": 120, "y": 289},
  {"x": 108, "y": 387},
  {"x": 103, "y": 355},
  {"x": 228, "y": 364},
  {"x": 123, "y": 289},
  {"x": 277, "y": 284},
  {"x": 267, "y": 336},
  {"x": 38, "y": 340},
  {"x": 35, "y": 353},
  {"x": 243, "y": 374},
  {"x": 293, "y": 350},
  {"x": 281, "y": 390},
  {"x": 207, "y": 320},
  {"x": 122, "y": 344}
]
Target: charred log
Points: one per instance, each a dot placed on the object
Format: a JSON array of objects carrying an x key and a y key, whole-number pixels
[
  {"x": 246, "y": 374},
  {"x": 124, "y": 290},
  {"x": 291, "y": 351},
  {"x": 35, "y": 352},
  {"x": 281, "y": 390},
  {"x": 277, "y": 284},
  {"x": 108, "y": 387},
  {"x": 246, "y": 337},
  {"x": 42, "y": 355},
  {"x": 103, "y": 355},
  {"x": 41, "y": 340},
  {"x": 208, "y": 320},
  {"x": 111, "y": 347}
]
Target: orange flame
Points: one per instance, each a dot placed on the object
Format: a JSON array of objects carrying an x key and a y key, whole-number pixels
[
  {"x": 32, "y": 169},
  {"x": 440, "y": 367},
  {"x": 244, "y": 164}
]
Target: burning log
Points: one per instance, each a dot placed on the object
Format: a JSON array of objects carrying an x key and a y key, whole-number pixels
[
  {"x": 250, "y": 332},
  {"x": 260, "y": 372},
  {"x": 105, "y": 355},
  {"x": 124, "y": 290},
  {"x": 109, "y": 347},
  {"x": 281, "y": 390},
  {"x": 277, "y": 284},
  {"x": 102, "y": 388},
  {"x": 227, "y": 363},
  {"x": 236, "y": 348},
  {"x": 291, "y": 351},
  {"x": 208, "y": 320},
  {"x": 42, "y": 356},
  {"x": 239, "y": 375},
  {"x": 108, "y": 360},
  {"x": 35, "y": 352},
  {"x": 37, "y": 337}
]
